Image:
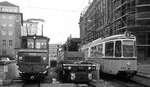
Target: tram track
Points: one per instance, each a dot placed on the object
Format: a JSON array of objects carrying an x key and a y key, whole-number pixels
[
  {"x": 141, "y": 80},
  {"x": 129, "y": 83},
  {"x": 132, "y": 82},
  {"x": 20, "y": 83},
  {"x": 103, "y": 82},
  {"x": 31, "y": 85},
  {"x": 99, "y": 83},
  {"x": 136, "y": 81}
]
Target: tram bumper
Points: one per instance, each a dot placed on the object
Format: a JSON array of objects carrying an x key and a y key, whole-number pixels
[{"x": 81, "y": 77}]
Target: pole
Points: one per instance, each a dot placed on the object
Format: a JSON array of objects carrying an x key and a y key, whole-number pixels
[
  {"x": 98, "y": 71},
  {"x": 42, "y": 30},
  {"x": 27, "y": 29}
]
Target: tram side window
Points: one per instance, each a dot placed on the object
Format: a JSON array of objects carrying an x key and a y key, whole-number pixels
[
  {"x": 109, "y": 48},
  {"x": 100, "y": 50},
  {"x": 93, "y": 50},
  {"x": 118, "y": 49}
]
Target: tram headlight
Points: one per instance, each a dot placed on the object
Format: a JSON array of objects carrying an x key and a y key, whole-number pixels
[
  {"x": 69, "y": 67},
  {"x": 44, "y": 58},
  {"x": 89, "y": 68},
  {"x": 65, "y": 67},
  {"x": 20, "y": 57},
  {"x": 72, "y": 76}
]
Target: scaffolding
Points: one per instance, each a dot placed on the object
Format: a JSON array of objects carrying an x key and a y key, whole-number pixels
[{"x": 110, "y": 17}]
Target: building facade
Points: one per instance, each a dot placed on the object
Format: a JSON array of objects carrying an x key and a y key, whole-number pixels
[
  {"x": 103, "y": 18},
  {"x": 10, "y": 28},
  {"x": 53, "y": 51},
  {"x": 72, "y": 44}
]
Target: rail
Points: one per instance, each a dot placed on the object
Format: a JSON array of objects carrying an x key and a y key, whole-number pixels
[{"x": 142, "y": 80}]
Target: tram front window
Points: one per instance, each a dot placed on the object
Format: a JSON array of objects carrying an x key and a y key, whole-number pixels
[
  {"x": 41, "y": 44},
  {"x": 30, "y": 43},
  {"x": 128, "y": 48}
]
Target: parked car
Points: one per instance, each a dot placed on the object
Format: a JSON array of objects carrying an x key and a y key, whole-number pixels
[{"x": 4, "y": 60}]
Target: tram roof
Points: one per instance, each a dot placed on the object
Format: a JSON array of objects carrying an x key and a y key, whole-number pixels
[
  {"x": 114, "y": 37},
  {"x": 32, "y": 50},
  {"x": 36, "y": 36},
  {"x": 86, "y": 45}
]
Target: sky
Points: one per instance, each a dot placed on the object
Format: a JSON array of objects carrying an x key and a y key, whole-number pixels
[{"x": 61, "y": 16}]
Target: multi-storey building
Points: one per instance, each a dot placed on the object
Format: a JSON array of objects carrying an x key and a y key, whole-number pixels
[
  {"x": 94, "y": 19},
  {"x": 53, "y": 51},
  {"x": 72, "y": 44},
  {"x": 10, "y": 28},
  {"x": 108, "y": 17}
]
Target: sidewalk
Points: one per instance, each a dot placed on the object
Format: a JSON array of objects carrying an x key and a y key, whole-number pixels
[{"x": 144, "y": 70}]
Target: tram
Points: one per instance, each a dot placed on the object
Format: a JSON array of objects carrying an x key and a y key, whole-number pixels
[
  {"x": 116, "y": 54},
  {"x": 32, "y": 57},
  {"x": 77, "y": 72}
]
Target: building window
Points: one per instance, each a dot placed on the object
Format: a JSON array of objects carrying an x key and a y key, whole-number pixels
[
  {"x": 10, "y": 25},
  {"x": 10, "y": 43},
  {"x": 11, "y": 17},
  {"x": 3, "y": 33},
  {"x": 4, "y": 25},
  {"x": 3, "y": 52},
  {"x": 4, "y": 16},
  {"x": 10, "y": 33},
  {"x": 4, "y": 43}
]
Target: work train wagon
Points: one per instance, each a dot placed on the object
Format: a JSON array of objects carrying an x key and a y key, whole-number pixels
[
  {"x": 76, "y": 72},
  {"x": 32, "y": 58},
  {"x": 115, "y": 54}
]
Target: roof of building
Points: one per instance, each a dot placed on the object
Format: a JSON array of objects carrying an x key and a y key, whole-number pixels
[
  {"x": 6, "y": 3},
  {"x": 75, "y": 40}
]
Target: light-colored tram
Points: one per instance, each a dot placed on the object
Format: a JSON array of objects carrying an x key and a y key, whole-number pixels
[{"x": 115, "y": 54}]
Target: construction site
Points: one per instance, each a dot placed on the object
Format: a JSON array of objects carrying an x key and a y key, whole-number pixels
[{"x": 103, "y": 18}]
